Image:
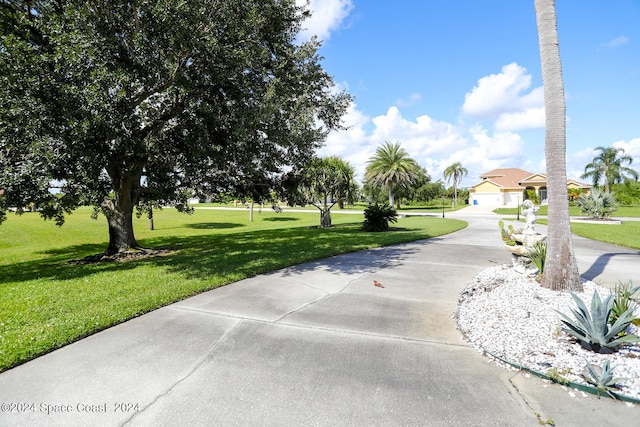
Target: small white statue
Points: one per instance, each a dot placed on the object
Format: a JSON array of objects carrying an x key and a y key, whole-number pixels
[{"x": 529, "y": 211}]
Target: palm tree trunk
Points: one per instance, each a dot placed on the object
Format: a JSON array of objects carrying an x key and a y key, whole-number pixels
[
  {"x": 455, "y": 193},
  {"x": 391, "y": 199},
  {"x": 561, "y": 270}
]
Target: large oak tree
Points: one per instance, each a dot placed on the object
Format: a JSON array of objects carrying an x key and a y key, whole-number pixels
[{"x": 120, "y": 103}]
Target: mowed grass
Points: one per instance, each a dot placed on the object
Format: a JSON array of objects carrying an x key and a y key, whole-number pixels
[
  {"x": 626, "y": 234},
  {"x": 47, "y": 302},
  {"x": 621, "y": 211}
]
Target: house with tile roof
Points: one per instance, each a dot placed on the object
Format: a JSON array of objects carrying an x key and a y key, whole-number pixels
[{"x": 508, "y": 187}]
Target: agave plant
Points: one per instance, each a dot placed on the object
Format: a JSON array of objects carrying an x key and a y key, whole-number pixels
[
  {"x": 602, "y": 378},
  {"x": 592, "y": 328}
]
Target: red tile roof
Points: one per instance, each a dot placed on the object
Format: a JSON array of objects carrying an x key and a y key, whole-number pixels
[{"x": 506, "y": 178}]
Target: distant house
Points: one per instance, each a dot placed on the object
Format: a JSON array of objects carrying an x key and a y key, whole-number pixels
[{"x": 507, "y": 187}]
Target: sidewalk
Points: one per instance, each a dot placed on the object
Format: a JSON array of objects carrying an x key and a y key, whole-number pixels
[{"x": 315, "y": 344}]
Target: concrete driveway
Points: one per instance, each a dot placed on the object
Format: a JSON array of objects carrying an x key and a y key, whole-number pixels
[{"x": 315, "y": 344}]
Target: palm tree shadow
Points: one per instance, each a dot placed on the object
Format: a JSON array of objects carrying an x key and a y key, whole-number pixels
[{"x": 599, "y": 265}]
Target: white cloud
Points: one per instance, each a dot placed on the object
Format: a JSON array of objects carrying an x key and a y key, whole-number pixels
[
  {"x": 423, "y": 138},
  {"x": 611, "y": 44},
  {"x": 577, "y": 160},
  {"x": 433, "y": 144},
  {"x": 530, "y": 118},
  {"x": 502, "y": 97},
  {"x": 326, "y": 16},
  {"x": 411, "y": 100},
  {"x": 631, "y": 148},
  {"x": 505, "y": 100},
  {"x": 486, "y": 152}
]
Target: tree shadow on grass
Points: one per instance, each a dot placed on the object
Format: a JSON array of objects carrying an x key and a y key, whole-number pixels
[
  {"x": 199, "y": 263},
  {"x": 224, "y": 258},
  {"x": 213, "y": 225},
  {"x": 74, "y": 252},
  {"x": 254, "y": 253},
  {"x": 281, "y": 219}
]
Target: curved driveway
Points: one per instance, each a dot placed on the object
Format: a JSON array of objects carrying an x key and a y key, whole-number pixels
[{"x": 315, "y": 344}]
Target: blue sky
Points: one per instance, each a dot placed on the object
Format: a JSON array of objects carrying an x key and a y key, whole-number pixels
[{"x": 460, "y": 80}]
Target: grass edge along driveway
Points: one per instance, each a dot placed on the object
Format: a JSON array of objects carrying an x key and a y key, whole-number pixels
[{"x": 47, "y": 302}]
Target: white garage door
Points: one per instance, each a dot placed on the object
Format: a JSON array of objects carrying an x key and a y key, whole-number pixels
[
  {"x": 486, "y": 199},
  {"x": 512, "y": 198}
]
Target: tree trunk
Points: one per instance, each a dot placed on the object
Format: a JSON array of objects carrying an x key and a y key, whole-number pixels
[
  {"x": 121, "y": 237},
  {"x": 561, "y": 270},
  {"x": 119, "y": 209},
  {"x": 391, "y": 200},
  {"x": 325, "y": 218},
  {"x": 150, "y": 217},
  {"x": 455, "y": 193},
  {"x": 325, "y": 213}
]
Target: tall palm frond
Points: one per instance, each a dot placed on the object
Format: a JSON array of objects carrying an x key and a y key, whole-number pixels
[
  {"x": 455, "y": 173},
  {"x": 390, "y": 167},
  {"x": 610, "y": 165}
]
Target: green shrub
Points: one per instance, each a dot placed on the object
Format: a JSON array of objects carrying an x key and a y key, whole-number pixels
[
  {"x": 378, "y": 216},
  {"x": 533, "y": 196},
  {"x": 623, "y": 300},
  {"x": 538, "y": 256}
]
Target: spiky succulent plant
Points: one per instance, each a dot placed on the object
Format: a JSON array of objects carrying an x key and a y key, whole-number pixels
[
  {"x": 592, "y": 328},
  {"x": 601, "y": 377},
  {"x": 624, "y": 299}
]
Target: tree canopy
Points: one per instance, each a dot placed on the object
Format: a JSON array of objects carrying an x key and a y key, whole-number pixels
[
  {"x": 391, "y": 167},
  {"x": 610, "y": 165},
  {"x": 322, "y": 182},
  {"x": 455, "y": 173},
  {"x": 120, "y": 102}
]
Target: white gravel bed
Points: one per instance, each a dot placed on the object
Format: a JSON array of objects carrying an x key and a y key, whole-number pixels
[{"x": 510, "y": 315}]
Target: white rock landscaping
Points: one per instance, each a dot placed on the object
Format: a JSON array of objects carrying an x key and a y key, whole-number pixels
[{"x": 511, "y": 316}]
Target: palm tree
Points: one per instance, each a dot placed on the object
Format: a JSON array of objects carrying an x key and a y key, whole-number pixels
[
  {"x": 455, "y": 173},
  {"x": 609, "y": 165},
  {"x": 391, "y": 167},
  {"x": 324, "y": 182},
  {"x": 561, "y": 270}
]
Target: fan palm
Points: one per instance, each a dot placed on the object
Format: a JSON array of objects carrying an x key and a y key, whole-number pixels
[
  {"x": 609, "y": 164},
  {"x": 454, "y": 174},
  {"x": 391, "y": 167}
]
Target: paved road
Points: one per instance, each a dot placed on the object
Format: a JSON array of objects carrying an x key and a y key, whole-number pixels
[{"x": 315, "y": 344}]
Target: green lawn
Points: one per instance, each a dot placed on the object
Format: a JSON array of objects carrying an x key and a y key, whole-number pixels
[
  {"x": 47, "y": 302},
  {"x": 622, "y": 211},
  {"x": 626, "y": 234},
  {"x": 433, "y": 206}
]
